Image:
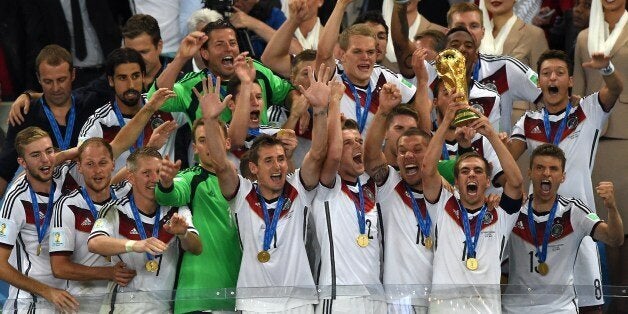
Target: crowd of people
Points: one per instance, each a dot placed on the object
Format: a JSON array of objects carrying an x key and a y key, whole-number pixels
[{"x": 321, "y": 166}]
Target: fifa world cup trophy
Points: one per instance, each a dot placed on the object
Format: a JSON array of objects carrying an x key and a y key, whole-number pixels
[{"x": 451, "y": 69}]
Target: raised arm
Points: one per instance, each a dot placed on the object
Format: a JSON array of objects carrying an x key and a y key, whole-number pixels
[
  {"x": 612, "y": 231},
  {"x": 276, "y": 56},
  {"x": 374, "y": 158},
  {"x": 239, "y": 126},
  {"x": 329, "y": 36},
  {"x": 512, "y": 174},
  {"x": 613, "y": 84},
  {"x": 212, "y": 107},
  {"x": 334, "y": 136},
  {"x": 399, "y": 31},
  {"x": 189, "y": 46},
  {"x": 240, "y": 19},
  {"x": 422, "y": 102},
  {"x": 318, "y": 94}
]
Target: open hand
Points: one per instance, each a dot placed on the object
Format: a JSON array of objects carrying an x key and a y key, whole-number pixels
[{"x": 209, "y": 100}]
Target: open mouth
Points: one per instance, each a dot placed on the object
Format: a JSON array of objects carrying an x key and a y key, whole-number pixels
[
  {"x": 357, "y": 158},
  {"x": 227, "y": 61},
  {"x": 364, "y": 67},
  {"x": 553, "y": 90},
  {"x": 254, "y": 116},
  {"x": 275, "y": 177},
  {"x": 45, "y": 169},
  {"x": 472, "y": 188},
  {"x": 546, "y": 186},
  {"x": 412, "y": 169},
  {"x": 496, "y": 3}
]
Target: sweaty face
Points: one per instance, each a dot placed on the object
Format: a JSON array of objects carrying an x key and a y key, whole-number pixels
[
  {"x": 554, "y": 81},
  {"x": 546, "y": 174},
  {"x": 96, "y": 167},
  {"x": 359, "y": 58},
  {"x": 56, "y": 82},
  {"x": 351, "y": 163},
  {"x": 472, "y": 181},
  {"x": 150, "y": 53},
  {"x": 145, "y": 177},
  {"x": 127, "y": 83},
  {"x": 382, "y": 40},
  {"x": 398, "y": 124},
  {"x": 581, "y": 13},
  {"x": 464, "y": 43},
  {"x": 271, "y": 168},
  {"x": 222, "y": 48},
  {"x": 472, "y": 20},
  {"x": 410, "y": 153},
  {"x": 498, "y": 7},
  {"x": 38, "y": 159}
]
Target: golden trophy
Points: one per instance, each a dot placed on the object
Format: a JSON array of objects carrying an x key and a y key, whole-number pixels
[{"x": 451, "y": 69}]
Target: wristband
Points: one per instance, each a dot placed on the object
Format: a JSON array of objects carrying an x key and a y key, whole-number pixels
[
  {"x": 129, "y": 246},
  {"x": 608, "y": 70}
]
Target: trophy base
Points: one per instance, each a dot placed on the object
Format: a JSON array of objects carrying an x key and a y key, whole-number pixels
[{"x": 464, "y": 117}]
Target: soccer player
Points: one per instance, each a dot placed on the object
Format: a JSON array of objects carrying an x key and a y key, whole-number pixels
[
  {"x": 357, "y": 69},
  {"x": 24, "y": 259},
  {"x": 271, "y": 214},
  {"x": 144, "y": 236},
  {"x": 125, "y": 70},
  {"x": 470, "y": 236},
  {"x": 216, "y": 268},
  {"x": 572, "y": 128},
  {"x": 547, "y": 236}
]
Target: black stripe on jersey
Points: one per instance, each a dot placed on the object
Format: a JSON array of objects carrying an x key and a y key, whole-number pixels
[
  {"x": 305, "y": 212},
  {"x": 576, "y": 203},
  {"x": 330, "y": 238},
  {"x": 235, "y": 215},
  {"x": 194, "y": 183},
  {"x": 481, "y": 86},
  {"x": 501, "y": 248},
  {"x": 99, "y": 114},
  {"x": 58, "y": 211},
  {"x": 96, "y": 234},
  {"x": 489, "y": 58},
  {"x": 114, "y": 294},
  {"x": 593, "y": 146},
  {"x": 519, "y": 136},
  {"x": 384, "y": 68},
  {"x": 380, "y": 222},
  {"x": 435, "y": 237},
  {"x": 9, "y": 200}
]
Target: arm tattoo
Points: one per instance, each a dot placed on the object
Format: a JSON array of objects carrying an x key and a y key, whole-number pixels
[{"x": 380, "y": 173}]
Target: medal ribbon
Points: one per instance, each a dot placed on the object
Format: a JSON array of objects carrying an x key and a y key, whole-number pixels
[
  {"x": 253, "y": 132},
  {"x": 41, "y": 229},
  {"x": 472, "y": 241},
  {"x": 548, "y": 128},
  {"x": 121, "y": 123},
  {"x": 63, "y": 142},
  {"x": 424, "y": 223},
  {"x": 542, "y": 252},
  {"x": 476, "y": 70},
  {"x": 271, "y": 225},
  {"x": 360, "y": 208},
  {"x": 360, "y": 113},
  {"x": 223, "y": 91},
  {"x": 140, "y": 225},
  {"x": 90, "y": 203}
]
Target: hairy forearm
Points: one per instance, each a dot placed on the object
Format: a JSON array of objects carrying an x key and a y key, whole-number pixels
[
  {"x": 65, "y": 269},
  {"x": 277, "y": 54},
  {"x": 615, "y": 227},
  {"x": 127, "y": 136},
  {"x": 373, "y": 155},
  {"x": 329, "y": 36},
  {"x": 239, "y": 126},
  {"x": 514, "y": 179},
  {"x": 15, "y": 278},
  {"x": 168, "y": 77},
  {"x": 399, "y": 30},
  {"x": 107, "y": 246}
]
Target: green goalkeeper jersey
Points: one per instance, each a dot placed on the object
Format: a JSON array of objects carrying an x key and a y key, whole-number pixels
[{"x": 204, "y": 281}]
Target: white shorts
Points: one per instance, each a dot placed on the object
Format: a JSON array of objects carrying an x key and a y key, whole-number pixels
[
  {"x": 357, "y": 305},
  {"x": 304, "y": 309},
  {"x": 136, "y": 301},
  {"x": 587, "y": 274}
]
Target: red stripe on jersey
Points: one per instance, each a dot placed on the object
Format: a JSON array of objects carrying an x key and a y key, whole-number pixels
[
  {"x": 403, "y": 194},
  {"x": 109, "y": 132},
  {"x": 69, "y": 184},
  {"x": 522, "y": 228},
  {"x": 486, "y": 103},
  {"x": 159, "y": 117},
  {"x": 369, "y": 195},
  {"x": 535, "y": 130},
  {"x": 381, "y": 80},
  {"x": 290, "y": 192},
  {"x": 451, "y": 207},
  {"x": 499, "y": 78},
  {"x": 83, "y": 219},
  {"x": 128, "y": 229},
  {"x": 28, "y": 211}
]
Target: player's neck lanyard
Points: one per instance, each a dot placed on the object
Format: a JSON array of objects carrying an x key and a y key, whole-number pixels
[
  {"x": 271, "y": 225},
  {"x": 548, "y": 127},
  {"x": 42, "y": 228},
  {"x": 140, "y": 139},
  {"x": 90, "y": 203},
  {"x": 63, "y": 142},
  {"x": 360, "y": 113},
  {"x": 445, "y": 151},
  {"x": 472, "y": 241},
  {"x": 140, "y": 225},
  {"x": 112, "y": 192},
  {"x": 542, "y": 252},
  {"x": 360, "y": 208},
  {"x": 223, "y": 91},
  {"x": 424, "y": 223},
  {"x": 253, "y": 132},
  {"x": 476, "y": 70}
]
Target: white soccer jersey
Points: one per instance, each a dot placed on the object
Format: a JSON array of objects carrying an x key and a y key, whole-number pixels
[
  {"x": 70, "y": 228},
  {"x": 379, "y": 77},
  {"x": 18, "y": 230},
  {"x": 236, "y": 153},
  {"x": 554, "y": 292},
  {"x": 116, "y": 221},
  {"x": 104, "y": 123},
  {"x": 343, "y": 262},
  {"x": 512, "y": 79},
  {"x": 451, "y": 278},
  {"x": 286, "y": 277},
  {"x": 407, "y": 262},
  {"x": 483, "y": 147}
]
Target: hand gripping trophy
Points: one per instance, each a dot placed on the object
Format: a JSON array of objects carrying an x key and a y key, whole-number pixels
[{"x": 451, "y": 69}]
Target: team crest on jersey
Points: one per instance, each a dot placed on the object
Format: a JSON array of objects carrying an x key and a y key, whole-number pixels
[
  {"x": 287, "y": 205},
  {"x": 156, "y": 122},
  {"x": 491, "y": 85},
  {"x": 478, "y": 107},
  {"x": 369, "y": 194},
  {"x": 488, "y": 218},
  {"x": 557, "y": 229},
  {"x": 572, "y": 122}
]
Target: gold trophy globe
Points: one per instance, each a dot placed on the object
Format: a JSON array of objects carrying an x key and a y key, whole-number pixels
[{"x": 451, "y": 69}]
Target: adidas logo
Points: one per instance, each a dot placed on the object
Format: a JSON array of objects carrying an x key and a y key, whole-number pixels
[
  {"x": 133, "y": 231},
  {"x": 536, "y": 130},
  {"x": 86, "y": 222}
]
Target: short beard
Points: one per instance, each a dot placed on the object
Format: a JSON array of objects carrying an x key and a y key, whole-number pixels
[{"x": 130, "y": 103}]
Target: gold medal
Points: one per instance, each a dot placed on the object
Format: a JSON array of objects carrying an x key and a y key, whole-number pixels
[
  {"x": 428, "y": 243},
  {"x": 472, "y": 263},
  {"x": 543, "y": 268},
  {"x": 263, "y": 256},
  {"x": 38, "y": 249},
  {"x": 363, "y": 240},
  {"x": 152, "y": 266},
  {"x": 108, "y": 259}
]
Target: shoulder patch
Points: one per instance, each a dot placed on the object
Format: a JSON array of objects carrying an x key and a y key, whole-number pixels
[{"x": 593, "y": 217}]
